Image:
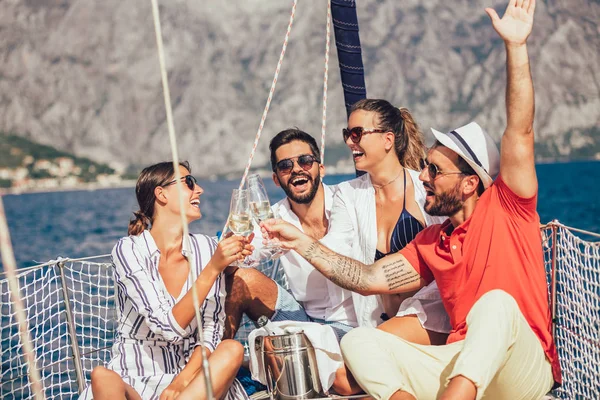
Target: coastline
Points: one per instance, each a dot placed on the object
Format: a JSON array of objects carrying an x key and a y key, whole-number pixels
[{"x": 91, "y": 186}]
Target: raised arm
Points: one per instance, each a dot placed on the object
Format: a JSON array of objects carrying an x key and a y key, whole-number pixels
[
  {"x": 392, "y": 274},
  {"x": 517, "y": 162}
]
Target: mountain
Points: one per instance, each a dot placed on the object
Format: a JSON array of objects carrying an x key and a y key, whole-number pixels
[{"x": 83, "y": 76}]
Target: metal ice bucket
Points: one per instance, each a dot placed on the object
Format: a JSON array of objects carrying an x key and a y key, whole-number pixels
[{"x": 290, "y": 366}]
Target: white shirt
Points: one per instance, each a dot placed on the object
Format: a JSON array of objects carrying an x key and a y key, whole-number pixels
[
  {"x": 150, "y": 347},
  {"x": 320, "y": 297}
]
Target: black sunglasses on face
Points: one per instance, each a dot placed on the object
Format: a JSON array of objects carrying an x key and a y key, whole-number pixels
[
  {"x": 190, "y": 182},
  {"x": 357, "y": 132},
  {"x": 434, "y": 171},
  {"x": 305, "y": 162}
]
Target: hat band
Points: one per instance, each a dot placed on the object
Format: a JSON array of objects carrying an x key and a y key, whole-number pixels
[{"x": 468, "y": 148}]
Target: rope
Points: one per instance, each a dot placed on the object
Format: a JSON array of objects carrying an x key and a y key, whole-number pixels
[
  {"x": 560, "y": 225},
  {"x": 266, "y": 110},
  {"x": 326, "y": 74},
  {"x": 173, "y": 141},
  {"x": 10, "y": 264}
]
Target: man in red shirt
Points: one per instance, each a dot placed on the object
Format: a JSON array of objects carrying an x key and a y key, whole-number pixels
[{"x": 487, "y": 260}]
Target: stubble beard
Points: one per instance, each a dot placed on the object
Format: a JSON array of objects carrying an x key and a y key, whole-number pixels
[
  {"x": 306, "y": 198},
  {"x": 445, "y": 204}
]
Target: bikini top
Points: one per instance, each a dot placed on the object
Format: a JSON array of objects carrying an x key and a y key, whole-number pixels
[{"x": 405, "y": 230}]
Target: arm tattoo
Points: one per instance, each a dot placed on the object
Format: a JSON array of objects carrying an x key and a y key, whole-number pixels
[
  {"x": 396, "y": 276},
  {"x": 343, "y": 271}
]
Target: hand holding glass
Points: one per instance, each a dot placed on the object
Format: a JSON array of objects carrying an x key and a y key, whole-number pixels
[
  {"x": 261, "y": 210},
  {"x": 240, "y": 221}
]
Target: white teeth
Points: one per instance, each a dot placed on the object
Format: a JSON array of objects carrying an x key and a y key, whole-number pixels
[
  {"x": 195, "y": 202},
  {"x": 357, "y": 153}
]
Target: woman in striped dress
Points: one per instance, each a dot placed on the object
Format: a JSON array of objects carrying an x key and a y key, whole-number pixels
[{"x": 156, "y": 354}]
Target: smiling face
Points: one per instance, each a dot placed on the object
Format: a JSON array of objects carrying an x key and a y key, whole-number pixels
[
  {"x": 372, "y": 147},
  {"x": 299, "y": 185},
  {"x": 191, "y": 197},
  {"x": 445, "y": 192}
]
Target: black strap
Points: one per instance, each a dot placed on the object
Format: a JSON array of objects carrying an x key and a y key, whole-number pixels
[{"x": 466, "y": 146}]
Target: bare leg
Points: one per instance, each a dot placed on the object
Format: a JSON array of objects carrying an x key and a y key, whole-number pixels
[
  {"x": 108, "y": 385},
  {"x": 409, "y": 328},
  {"x": 249, "y": 292},
  {"x": 400, "y": 395},
  {"x": 224, "y": 363},
  {"x": 459, "y": 388}
]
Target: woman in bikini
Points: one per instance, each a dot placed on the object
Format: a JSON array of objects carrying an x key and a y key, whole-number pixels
[{"x": 381, "y": 211}]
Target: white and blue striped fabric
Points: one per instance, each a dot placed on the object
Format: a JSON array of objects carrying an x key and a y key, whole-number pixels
[{"x": 150, "y": 347}]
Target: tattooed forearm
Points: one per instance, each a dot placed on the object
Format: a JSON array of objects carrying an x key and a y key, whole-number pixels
[
  {"x": 396, "y": 275},
  {"x": 343, "y": 271},
  {"x": 393, "y": 274}
]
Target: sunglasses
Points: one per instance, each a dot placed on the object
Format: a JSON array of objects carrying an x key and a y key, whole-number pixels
[
  {"x": 357, "y": 132},
  {"x": 305, "y": 162},
  {"x": 434, "y": 171},
  {"x": 190, "y": 182}
]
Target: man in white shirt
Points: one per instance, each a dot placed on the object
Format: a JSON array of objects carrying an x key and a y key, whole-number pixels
[{"x": 312, "y": 297}]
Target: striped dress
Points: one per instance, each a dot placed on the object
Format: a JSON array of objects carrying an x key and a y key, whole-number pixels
[{"x": 150, "y": 347}]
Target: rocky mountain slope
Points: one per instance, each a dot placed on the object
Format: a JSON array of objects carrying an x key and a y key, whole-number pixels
[{"x": 83, "y": 75}]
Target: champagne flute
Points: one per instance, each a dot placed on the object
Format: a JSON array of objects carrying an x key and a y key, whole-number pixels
[
  {"x": 240, "y": 221},
  {"x": 260, "y": 206}
]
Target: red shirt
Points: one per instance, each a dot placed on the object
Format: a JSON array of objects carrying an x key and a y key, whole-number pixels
[{"x": 498, "y": 247}]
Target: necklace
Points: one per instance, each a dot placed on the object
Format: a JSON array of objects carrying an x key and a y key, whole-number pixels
[{"x": 387, "y": 183}]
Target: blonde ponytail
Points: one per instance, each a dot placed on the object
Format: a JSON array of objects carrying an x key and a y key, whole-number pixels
[{"x": 414, "y": 147}]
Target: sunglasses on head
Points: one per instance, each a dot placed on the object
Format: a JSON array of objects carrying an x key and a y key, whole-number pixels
[
  {"x": 357, "y": 132},
  {"x": 190, "y": 182},
  {"x": 434, "y": 171},
  {"x": 305, "y": 162}
]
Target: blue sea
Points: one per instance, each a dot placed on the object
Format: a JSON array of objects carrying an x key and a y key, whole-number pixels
[{"x": 44, "y": 226}]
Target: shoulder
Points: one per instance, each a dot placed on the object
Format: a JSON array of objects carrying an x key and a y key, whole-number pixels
[
  {"x": 354, "y": 185},
  {"x": 127, "y": 242}
]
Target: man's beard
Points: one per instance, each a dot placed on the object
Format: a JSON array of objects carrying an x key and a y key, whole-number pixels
[
  {"x": 305, "y": 198},
  {"x": 445, "y": 204}
]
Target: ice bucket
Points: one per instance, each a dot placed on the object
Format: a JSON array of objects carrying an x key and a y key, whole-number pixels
[{"x": 290, "y": 366}]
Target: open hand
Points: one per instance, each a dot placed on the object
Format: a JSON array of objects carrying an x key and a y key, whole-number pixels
[
  {"x": 515, "y": 26},
  {"x": 231, "y": 249},
  {"x": 282, "y": 233}
]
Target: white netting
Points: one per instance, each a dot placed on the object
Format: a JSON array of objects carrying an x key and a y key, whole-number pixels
[
  {"x": 577, "y": 304},
  {"x": 91, "y": 295}
]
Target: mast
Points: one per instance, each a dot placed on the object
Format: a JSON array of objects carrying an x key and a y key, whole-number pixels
[{"x": 347, "y": 41}]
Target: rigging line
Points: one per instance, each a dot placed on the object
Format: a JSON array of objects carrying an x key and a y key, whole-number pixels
[
  {"x": 10, "y": 264},
  {"x": 186, "y": 247},
  {"x": 266, "y": 110},
  {"x": 326, "y": 74}
]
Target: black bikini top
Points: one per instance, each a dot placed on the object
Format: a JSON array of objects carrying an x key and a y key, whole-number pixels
[{"x": 405, "y": 230}]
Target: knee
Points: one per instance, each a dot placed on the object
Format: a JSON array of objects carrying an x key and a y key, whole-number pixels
[
  {"x": 101, "y": 374},
  {"x": 234, "y": 350},
  {"x": 241, "y": 281},
  {"x": 355, "y": 340},
  {"x": 496, "y": 301}
]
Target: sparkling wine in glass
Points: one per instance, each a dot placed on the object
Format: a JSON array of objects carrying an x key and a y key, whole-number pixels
[
  {"x": 261, "y": 210},
  {"x": 240, "y": 221}
]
